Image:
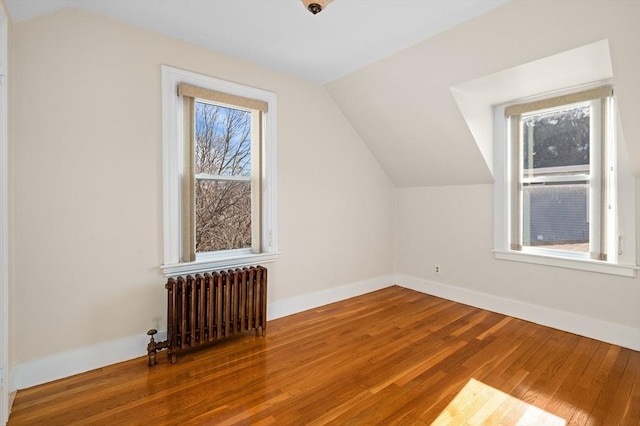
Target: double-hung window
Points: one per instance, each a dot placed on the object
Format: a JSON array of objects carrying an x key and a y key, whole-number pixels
[
  {"x": 561, "y": 174},
  {"x": 219, "y": 142},
  {"x": 559, "y": 186}
]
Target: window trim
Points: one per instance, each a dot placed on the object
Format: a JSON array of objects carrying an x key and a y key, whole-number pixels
[
  {"x": 172, "y": 137},
  {"x": 502, "y": 209},
  {"x": 583, "y": 264}
]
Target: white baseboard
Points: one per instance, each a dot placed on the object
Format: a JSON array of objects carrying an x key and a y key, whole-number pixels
[
  {"x": 616, "y": 334},
  {"x": 67, "y": 364},
  {"x": 305, "y": 302},
  {"x": 12, "y": 397},
  {"x": 11, "y": 386}
]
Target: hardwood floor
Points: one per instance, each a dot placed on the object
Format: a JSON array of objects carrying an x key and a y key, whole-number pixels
[{"x": 394, "y": 356}]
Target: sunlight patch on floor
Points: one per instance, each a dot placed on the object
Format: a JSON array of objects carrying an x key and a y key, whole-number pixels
[{"x": 481, "y": 404}]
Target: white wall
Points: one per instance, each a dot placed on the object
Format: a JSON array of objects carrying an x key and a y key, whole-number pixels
[
  {"x": 404, "y": 109},
  {"x": 86, "y": 181},
  {"x": 452, "y": 226},
  {"x": 85, "y": 159}
]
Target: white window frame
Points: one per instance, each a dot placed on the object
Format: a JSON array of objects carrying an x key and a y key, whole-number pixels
[
  {"x": 172, "y": 136},
  {"x": 502, "y": 212}
]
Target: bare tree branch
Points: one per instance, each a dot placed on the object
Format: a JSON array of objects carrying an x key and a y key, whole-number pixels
[{"x": 223, "y": 147}]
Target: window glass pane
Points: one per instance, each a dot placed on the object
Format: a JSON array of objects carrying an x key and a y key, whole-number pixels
[
  {"x": 556, "y": 216},
  {"x": 556, "y": 142},
  {"x": 223, "y": 215},
  {"x": 223, "y": 148},
  {"x": 223, "y": 140}
]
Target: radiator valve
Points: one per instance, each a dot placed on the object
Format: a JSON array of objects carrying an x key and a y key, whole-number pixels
[{"x": 153, "y": 347}]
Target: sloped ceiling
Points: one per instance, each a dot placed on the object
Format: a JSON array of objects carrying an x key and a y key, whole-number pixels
[
  {"x": 401, "y": 103},
  {"x": 404, "y": 109}
]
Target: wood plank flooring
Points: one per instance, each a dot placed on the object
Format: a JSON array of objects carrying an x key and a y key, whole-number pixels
[{"x": 390, "y": 357}]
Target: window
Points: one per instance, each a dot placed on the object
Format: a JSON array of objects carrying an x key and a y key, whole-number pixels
[
  {"x": 558, "y": 191},
  {"x": 219, "y": 173},
  {"x": 224, "y": 197},
  {"x": 514, "y": 93},
  {"x": 560, "y": 175}
]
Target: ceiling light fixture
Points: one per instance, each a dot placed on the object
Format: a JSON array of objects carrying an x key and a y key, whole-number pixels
[{"x": 315, "y": 6}]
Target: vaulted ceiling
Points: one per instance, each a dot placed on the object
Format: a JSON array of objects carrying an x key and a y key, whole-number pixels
[
  {"x": 396, "y": 68},
  {"x": 282, "y": 34}
]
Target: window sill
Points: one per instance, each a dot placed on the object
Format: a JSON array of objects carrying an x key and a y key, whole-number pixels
[
  {"x": 202, "y": 266},
  {"x": 561, "y": 262}
]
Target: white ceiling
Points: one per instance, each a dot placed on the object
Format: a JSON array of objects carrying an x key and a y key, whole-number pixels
[
  {"x": 401, "y": 80},
  {"x": 281, "y": 34}
]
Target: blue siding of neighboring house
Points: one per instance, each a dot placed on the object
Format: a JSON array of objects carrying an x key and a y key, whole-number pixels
[{"x": 559, "y": 213}]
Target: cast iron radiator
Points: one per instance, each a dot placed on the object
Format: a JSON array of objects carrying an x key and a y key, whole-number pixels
[{"x": 205, "y": 308}]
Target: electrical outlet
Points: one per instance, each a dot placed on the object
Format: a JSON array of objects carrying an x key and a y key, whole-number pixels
[{"x": 436, "y": 268}]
